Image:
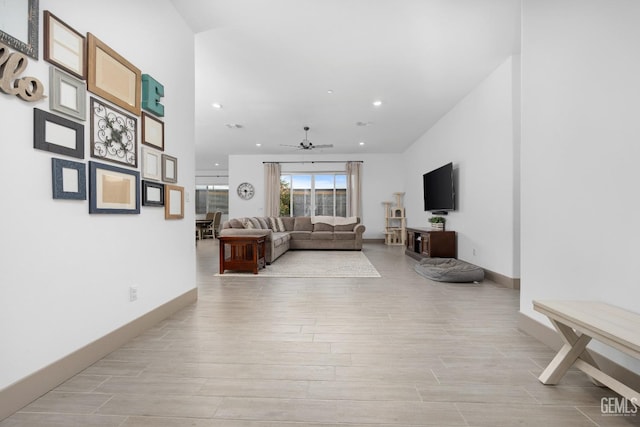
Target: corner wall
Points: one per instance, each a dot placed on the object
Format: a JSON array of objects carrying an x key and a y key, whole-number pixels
[
  {"x": 477, "y": 135},
  {"x": 580, "y": 151},
  {"x": 65, "y": 274}
]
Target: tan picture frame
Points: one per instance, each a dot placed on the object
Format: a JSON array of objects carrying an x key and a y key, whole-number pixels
[
  {"x": 173, "y": 202},
  {"x": 112, "y": 77}
]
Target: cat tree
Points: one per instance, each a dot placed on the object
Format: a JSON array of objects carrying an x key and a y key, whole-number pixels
[{"x": 395, "y": 226}]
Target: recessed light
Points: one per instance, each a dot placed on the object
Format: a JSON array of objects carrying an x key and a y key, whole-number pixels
[
  {"x": 361, "y": 143},
  {"x": 377, "y": 103},
  {"x": 258, "y": 145},
  {"x": 216, "y": 105},
  {"x": 216, "y": 164},
  {"x": 329, "y": 91}
]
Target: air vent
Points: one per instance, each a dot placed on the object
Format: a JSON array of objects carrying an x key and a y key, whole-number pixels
[{"x": 233, "y": 126}]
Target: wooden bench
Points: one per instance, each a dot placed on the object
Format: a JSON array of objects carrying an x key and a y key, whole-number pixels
[{"x": 580, "y": 321}]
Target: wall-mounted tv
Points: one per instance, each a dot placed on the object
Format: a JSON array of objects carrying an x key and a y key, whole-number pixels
[{"x": 439, "y": 194}]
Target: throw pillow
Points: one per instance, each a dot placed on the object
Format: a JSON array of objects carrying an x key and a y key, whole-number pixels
[
  {"x": 276, "y": 224},
  {"x": 255, "y": 223},
  {"x": 236, "y": 223},
  {"x": 248, "y": 224},
  {"x": 264, "y": 224}
]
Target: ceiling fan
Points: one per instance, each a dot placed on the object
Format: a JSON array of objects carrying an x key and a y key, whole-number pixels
[{"x": 306, "y": 144}]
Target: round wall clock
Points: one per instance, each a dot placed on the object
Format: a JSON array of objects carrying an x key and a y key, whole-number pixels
[{"x": 245, "y": 191}]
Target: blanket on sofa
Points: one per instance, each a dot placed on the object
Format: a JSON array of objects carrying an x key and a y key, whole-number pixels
[{"x": 334, "y": 220}]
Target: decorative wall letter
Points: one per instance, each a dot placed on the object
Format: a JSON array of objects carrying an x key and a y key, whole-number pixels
[
  {"x": 152, "y": 91},
  {"x": 11, "y": 66}
]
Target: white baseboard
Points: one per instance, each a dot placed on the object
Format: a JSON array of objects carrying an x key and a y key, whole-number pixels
[
  {"x": 550, "y": 337},
  {"x": 28, "y": 389}
]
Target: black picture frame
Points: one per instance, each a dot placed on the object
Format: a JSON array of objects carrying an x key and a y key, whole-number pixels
[
  {"x": 113, "y": 200},
  {"x": 59, "y": 179},
  {"x": 56, "y": 140},
  {"x": 148, "y": 198}
]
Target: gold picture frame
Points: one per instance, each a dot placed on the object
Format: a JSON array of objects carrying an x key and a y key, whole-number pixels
[{"x": 112, "y": 77}]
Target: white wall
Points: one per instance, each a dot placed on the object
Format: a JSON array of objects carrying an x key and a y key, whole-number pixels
[
  {"x": 477, "y": 136},
  {"x": 580, "y": 151},
  {"x": 382, "y": 175},
  {"x": 65, "y": 274}
]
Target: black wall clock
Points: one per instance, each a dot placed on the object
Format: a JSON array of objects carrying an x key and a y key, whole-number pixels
[{"x": 246, "y": 191}]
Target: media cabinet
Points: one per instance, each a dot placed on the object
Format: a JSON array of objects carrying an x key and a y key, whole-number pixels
[{"x": 428, "y": 243}]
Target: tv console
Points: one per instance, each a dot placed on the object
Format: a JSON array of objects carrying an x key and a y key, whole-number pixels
[{"x": 428, "y": 243}]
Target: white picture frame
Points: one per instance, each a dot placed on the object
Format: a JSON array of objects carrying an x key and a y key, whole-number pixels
[{"x": 151, "y": 164}]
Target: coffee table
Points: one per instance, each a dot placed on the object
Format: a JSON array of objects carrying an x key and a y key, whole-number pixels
[{"x": 242, "y": 253}]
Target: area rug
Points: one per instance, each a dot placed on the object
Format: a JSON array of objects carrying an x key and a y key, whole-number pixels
[{"x": 315, "y": 264}]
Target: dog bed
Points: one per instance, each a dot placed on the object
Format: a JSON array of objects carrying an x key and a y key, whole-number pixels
[{"x": 449, "y": 270}]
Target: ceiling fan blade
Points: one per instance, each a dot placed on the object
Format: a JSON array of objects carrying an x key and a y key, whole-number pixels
[{"x": 323, "y": 146}]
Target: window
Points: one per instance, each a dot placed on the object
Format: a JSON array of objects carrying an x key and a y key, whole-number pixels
[
  {"x": 317, "y": 194},
  {"x": 211, "y": 198}
]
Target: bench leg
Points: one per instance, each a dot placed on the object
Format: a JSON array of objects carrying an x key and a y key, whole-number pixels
[{"x": 574, "y": 348}]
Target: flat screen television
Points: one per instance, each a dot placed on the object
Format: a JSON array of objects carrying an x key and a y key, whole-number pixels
[{"x": 439, "y": 194}]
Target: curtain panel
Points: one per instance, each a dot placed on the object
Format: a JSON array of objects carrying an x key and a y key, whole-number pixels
[
  {"x": 354, "y": 189},
  {"x": 272, "y": 189}
]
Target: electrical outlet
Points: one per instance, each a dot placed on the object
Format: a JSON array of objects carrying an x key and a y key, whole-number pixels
[{"x": 133, "y": 293}]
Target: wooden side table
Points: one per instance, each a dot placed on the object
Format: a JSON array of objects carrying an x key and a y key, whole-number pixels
[{"x": 243, "y": 253}]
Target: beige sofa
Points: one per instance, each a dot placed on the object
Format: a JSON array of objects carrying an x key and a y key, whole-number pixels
[{"x": 302, "y": 232}]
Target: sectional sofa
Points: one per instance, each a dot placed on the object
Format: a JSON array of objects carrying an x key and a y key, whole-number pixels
[{"x": 301, "y": 232}]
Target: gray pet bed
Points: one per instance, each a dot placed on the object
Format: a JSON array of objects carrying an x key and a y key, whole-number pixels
[{"x": 449, "y": 270}]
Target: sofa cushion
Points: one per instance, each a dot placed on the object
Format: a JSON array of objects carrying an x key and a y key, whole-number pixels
[
  {"x": 344, "y": 235},
  {"x": 280, "y": 238},
  {"x": 322, "y": 235},
  {"x": 248, "y": 224},
  {"x": 346, "y": 227},
  {"x": 300, "y": 235},
  {"x": 264, "y": 224},
  {"x": 319, "y": 226},
  {"x": 303, "y": 223},
  {"x": 288, "y": 222},
  {"x": 255, "y": 223}
]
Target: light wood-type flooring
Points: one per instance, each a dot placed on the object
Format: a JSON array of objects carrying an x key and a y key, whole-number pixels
[{"x": 399, "y": 350}]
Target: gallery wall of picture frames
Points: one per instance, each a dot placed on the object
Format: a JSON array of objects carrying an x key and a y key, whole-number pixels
[{"x": 112, "y": 183}]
